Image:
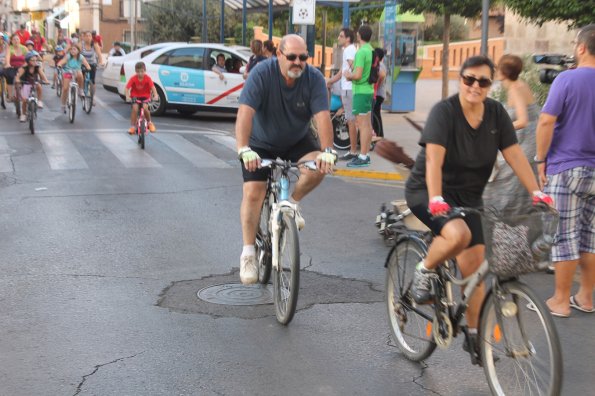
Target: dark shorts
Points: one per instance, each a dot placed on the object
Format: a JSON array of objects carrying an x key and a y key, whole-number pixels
[
  {"x": 93, "y": 72},
  {"x": 10, "y": 73},
  {"x": 418, "y": 203},
  {"x": 305, "y": 146}
]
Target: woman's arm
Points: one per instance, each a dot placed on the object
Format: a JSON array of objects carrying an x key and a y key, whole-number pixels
[
  {"x": 515, "y": 157},
  {"x": 99, "y": 54},
  {"x": 517, "y": 100},
  {"x": 86, "y": 64},
  {"x": 435, "y": 155}
]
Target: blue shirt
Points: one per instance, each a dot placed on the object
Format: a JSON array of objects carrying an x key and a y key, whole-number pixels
[{"x": 283, "y": 113}]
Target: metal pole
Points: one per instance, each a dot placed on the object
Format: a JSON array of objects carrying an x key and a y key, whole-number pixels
[
  {"x": 222, "y": 23},
  {"x": 244, "y": 22},
  {"x": 270, "y": 19},
  {"x": 323, "y": 60},
  {"x": 205, "y": 39},
  {"x": 346, "y": 16},
  {"x": 485, "y": 18},
  {"x": 132, "y": 14}
]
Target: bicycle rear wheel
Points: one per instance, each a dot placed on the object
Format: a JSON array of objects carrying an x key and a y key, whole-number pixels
[
  {"x": 72, "y": 104},
  {"x": 3, "y": 92},
  {"x": 519, "y": 344},
  {"x": 286, "y": 280},
  {"x": 263, "y": 241},
  {"x": 88, "y": 99},
  {"x": 59, "y": 86},
  {"x": 340, "y": 132},
  {"x": 411, "y": 331},
  {"x": 31, "y": 113}
]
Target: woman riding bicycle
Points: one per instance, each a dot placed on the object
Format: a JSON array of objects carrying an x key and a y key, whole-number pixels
[
  {"x": 92, "y": 53},
  {"x": 28, "y": 75},
  {"x": 15, "y": 58},
  {"x": 460, "y": 141},
  {"x": 72, "y": 65}
]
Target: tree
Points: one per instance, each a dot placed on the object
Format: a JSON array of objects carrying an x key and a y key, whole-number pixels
[
  {"x": 465, "y": 8},
  {"x": 575, "y": 13}
]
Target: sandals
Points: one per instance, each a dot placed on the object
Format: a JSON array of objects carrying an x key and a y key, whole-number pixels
[{"x": 574, "y": 304}]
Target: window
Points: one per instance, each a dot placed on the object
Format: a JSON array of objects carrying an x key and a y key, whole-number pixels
[
  {"x": 125, "y": 8},
  {"x": 190, "y": 58},
  {"x": 232, "y": 62}
]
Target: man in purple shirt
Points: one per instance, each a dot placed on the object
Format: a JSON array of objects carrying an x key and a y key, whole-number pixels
[{"x": 566, "y": 167}]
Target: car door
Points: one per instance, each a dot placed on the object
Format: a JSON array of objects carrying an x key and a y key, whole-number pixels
[
  {"x": 181, "y": 75},
  {"x": 226, "y": 92}
]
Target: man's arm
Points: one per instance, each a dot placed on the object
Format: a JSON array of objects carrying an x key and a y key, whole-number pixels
[
  {"x": 250, "y": 159},
  {"x": 544, "y": 135},
  {"x": 334, "y": 78},
  {"x": 325, "y": 128}
]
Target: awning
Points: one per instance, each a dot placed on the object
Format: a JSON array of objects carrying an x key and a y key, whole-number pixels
[
  {"x": 64, "y": 22},
  {"x": 54, "y": 15}
]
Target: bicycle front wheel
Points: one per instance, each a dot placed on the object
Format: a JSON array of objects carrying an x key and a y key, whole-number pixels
[
  {"x": 410, "y": 323},
  {"x": 88, "y": 99},
  {"x": 72, "y": 104},
  {"x": 59, "y": 87},
  {"x": 142, "y": 129},
  {"x": 286, "y": 279},
  {"x": 31, "y": 112},
  {"x": 263, "y": 241},
  {"x": 519, "y": 344}
]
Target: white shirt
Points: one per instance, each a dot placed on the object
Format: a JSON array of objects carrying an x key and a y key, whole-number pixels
[{"x": 348, "y": 54}]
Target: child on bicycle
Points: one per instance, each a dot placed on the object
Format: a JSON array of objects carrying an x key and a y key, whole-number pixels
[
  {"x": 72, "y": 65},
  {"x": 28, "y": 75},
  {"x": 141, "y": 87},
  {"x": 58, "y": 56}
]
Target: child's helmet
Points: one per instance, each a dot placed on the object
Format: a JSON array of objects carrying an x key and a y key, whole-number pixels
[{"x": 30, "y": 55}]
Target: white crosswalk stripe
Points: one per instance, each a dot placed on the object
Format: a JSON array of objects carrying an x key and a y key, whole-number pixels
[
  {"x": 128, "y": 154},
  {"x": 199, "y": 157},
  {"x": 61, "y": 152},
  {"x": 5, "y": 162}
]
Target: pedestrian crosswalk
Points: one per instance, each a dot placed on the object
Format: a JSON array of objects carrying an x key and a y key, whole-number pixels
[{"x": 65, "y": 151}]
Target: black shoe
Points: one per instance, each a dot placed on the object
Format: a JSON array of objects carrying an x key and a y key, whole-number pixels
[{"x": 422, "y": 284}]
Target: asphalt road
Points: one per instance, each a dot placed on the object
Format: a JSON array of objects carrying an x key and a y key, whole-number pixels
[{"x": 104, "y": 248}]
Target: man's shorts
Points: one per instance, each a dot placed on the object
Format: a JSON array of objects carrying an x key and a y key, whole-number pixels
[
  {"x": 347, "y": 99},
  {"x": 362, "y": 104},
  {"x": 305, "y": 146},
  {"x": 573, "y": 191}
]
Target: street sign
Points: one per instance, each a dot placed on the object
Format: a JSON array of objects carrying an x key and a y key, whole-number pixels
[{"x": 304, "y": 12}]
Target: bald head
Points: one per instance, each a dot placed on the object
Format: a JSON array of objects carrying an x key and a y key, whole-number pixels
[{"x": 291, "y": 40}]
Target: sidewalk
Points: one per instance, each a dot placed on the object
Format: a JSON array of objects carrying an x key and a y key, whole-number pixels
[{"x": 397, "y": 128}]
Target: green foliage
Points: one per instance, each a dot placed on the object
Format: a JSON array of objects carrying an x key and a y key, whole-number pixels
[
  {"x": 575, "y": 13},
  {"x": 465, "y": 8},
  {"x": 458, "y": 29}
]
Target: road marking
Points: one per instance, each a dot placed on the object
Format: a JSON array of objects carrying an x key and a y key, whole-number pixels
[
  {"x": 367, "y": 174},
  {"x": 61, "y": 152},
  {"x": 193, "y": 153},
  {"x": 124, "y": 131},
  {"x": 113, "y": 112},
  {"x": 225, "y": 140},
  {"x": 127, "y": 151},
  {"x": 5, "y": 162}
]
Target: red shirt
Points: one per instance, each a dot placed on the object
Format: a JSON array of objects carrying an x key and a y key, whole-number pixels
[
  {"x": 140, "y": 89},
  {"x": 97, "y": 39},
  {"x": 38, "y": 43},
  {"x": 23, "y": 36}
]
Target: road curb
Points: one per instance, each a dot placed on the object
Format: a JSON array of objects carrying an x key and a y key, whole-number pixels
[{"x": 366, "y": 174}]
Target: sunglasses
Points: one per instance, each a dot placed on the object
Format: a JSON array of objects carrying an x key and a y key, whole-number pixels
[
  {"x": 293, "y": 57},
  {"x": 470, "y": 80}
]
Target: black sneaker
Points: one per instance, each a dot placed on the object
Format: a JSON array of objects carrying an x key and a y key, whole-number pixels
[
  {"x": 348, "y": 156},
  {"x": 357, "y": 162},
  {"x": 422, "y": 284}
]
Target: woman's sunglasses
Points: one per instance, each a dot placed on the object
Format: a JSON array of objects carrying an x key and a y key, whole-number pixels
[
  {"x": 293, "y": 57},
  {"x": 470, "y": 80}
]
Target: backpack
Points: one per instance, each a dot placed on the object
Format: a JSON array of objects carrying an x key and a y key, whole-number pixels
[{"x": 374, "y": 68}]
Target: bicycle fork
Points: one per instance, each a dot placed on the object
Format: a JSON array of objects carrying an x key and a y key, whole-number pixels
[{"x": 279, "y": 209}]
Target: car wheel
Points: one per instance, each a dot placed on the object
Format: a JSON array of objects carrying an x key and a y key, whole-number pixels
[{"x": 157, "y": 107}]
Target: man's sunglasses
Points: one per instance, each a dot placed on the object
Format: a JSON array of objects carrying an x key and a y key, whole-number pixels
[
  {"x": 293, "y": 57},
  {"x": 470, "y": 80}
]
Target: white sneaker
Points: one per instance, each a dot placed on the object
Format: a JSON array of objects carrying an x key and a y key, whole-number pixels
[
  {"x": 23, "y": 118},
  {"x": 248, "y": 270},
  {"x": 299, "y": 220},
  {"x": 40, "y": 104}
]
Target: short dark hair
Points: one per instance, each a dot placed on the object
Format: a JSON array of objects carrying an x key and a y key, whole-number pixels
[
  {"x": 140, "y": 66},
  {"x": 365, "y": 33},
  {"x": 379, "y": 52},
  {"x": 348, "y": 33},
  {"x": 587, "y": 36},
  {"x": 116, "y": 43},
  {"x": 479, "y": 60},
  {"x": 220, "y": 56},
  {"x": 510, "y": 66}
]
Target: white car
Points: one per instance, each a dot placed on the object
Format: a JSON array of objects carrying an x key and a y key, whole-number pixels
[
  {"x": 184, "y": 80},
  {"x": 113, "y": 69}
]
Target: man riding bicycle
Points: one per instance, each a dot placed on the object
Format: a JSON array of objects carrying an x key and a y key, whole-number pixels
[{"x": 277, "y": 104}]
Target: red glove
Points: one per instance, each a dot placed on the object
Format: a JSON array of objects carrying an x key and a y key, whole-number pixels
[
  {"x": 438, "y": 207},
  {"x": 541, "y": 197}
]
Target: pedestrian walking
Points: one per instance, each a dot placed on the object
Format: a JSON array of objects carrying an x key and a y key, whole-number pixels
[{"x": 379, "y": 94}]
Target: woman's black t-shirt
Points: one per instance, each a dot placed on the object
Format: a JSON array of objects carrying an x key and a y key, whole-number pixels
[{"x": 470, "y": 153}]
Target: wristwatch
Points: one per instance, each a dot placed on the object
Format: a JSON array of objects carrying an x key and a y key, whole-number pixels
[
  {"x": 538, "y": 161},
  {"x": 330, "y": 150}
]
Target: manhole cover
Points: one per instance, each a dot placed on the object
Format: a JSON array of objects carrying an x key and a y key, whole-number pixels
[{"x": 236, "y": 294}]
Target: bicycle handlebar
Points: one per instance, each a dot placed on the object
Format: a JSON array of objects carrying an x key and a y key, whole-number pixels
[{"x": 269, "y": 163}]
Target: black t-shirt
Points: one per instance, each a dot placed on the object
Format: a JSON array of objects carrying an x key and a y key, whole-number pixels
[
  {"x": 254, "y": 60},
  {"x": 470, "y": 153}
]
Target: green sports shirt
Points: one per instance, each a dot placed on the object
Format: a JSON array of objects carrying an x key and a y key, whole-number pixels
[{"x": 363, "y": 59}]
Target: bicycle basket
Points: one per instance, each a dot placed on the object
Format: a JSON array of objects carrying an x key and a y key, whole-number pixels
[{"x": 519, "y": 244}]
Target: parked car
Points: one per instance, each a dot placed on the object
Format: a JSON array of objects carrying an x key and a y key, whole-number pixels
[
  {"x": 184, "y": 79},
  {"x": 113, "y": 68}
]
